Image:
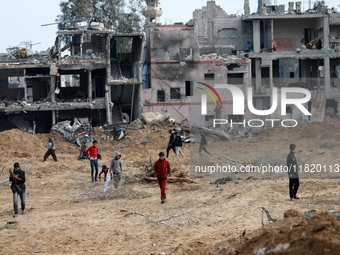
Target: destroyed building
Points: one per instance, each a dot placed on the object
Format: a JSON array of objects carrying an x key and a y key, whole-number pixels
[
  {"x": 175, "y": 63},
  {"x": 278, "y": 47},
  {"x": 96, "y": 76},
  {"x": 292, "y": 48}
]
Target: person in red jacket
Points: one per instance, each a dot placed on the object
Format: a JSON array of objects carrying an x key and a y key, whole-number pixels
[
  {"x": 162, "y": 168},
  {"x": 91, "y": 154}
]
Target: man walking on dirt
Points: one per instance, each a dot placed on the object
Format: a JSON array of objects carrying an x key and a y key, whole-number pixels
[
  {"x": 162, "y": 168},
  {"x": 91, "y": 153},
  {"x": 116, "y": 167},
  {"x": 171, "y": 145},
  {"x": 203, "y": 144},
  {"x": 51, "y": 149},
  {"x": 18, "y": 187},
  {"x": 178, "y": 144},
  {"x": 293, "y": 173}
]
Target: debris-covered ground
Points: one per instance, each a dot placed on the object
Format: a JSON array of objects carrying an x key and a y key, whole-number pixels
[{"x": 66, "y": 213}]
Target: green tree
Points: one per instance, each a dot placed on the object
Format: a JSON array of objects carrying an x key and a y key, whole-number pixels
[{"x": 123, "y": 15}]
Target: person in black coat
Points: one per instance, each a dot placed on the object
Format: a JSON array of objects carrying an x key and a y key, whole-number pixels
[
  {"x": 18, "y": 187},
  {"x": 293, "y": 173},
  {"x": 171, "y": 144}
]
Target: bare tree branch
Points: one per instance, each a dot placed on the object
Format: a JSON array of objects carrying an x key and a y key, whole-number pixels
[{"x": 153, "y": 221}]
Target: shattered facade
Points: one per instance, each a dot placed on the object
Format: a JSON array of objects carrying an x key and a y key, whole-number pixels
[
  {"x": 284, "y": 47},
  {"x": 292, "y": 48},
  {"x": 174, "y": 67},
  {"x": 219, "y": 32},
  {"x": 99, "y": 78}
]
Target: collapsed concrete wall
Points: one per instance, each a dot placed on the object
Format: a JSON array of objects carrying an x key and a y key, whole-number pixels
[{"x": 219, "y": 32}]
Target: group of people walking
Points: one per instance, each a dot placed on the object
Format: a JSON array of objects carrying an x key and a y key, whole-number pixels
[
  {"x": 175, "y": 143},
  {"x": 114, "y": 172}
]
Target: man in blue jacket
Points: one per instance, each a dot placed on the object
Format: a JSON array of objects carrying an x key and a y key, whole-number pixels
[
  {"x": 178, "y": 144},
  {"x": 17, "y": 177}
]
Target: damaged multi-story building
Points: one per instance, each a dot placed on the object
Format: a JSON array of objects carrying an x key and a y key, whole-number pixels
[
  {"x": 96, "y": 75},
  {"x": 99, "y": 74},
  {"x": 292, "y": 48},
  {"x": 176, "y": 64},
  {"x": 279, "y": 46}
]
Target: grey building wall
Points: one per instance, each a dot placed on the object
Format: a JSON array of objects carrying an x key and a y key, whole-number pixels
[{"x": 220, "y": 31}]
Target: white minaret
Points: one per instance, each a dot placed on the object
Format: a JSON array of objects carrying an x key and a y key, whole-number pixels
[
  {"x": 246, "y": 8},
  {"x": 152, "y": 12}
]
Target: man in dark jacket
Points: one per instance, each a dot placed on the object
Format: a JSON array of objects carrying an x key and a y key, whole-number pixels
[
  {"x": 51, "y": 149},
  {"x": 203, "y": 144},
  {"x": 18, "y": 187},
  {"x": 171, "y": 145},
  {"x": 162, "y": 168},
  {"x": 293, "y": 173},
  {"x": 178, "y": 144}
]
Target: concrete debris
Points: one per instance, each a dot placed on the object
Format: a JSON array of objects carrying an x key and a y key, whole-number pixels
[
  {"x": 278, "y": 248},
  {"x": 89, "y": 55},
  {"x": 76, "y": 103},
  {"x": 89, "y": 51},
  {"x": 97, "y": 26},
  {"x": 337, "y": 71},
  {"x": 222, "y": 180},
  {"x": 330, "y": 51},
  {"x": 94, "y": 24},
  {"x": 244, "y": 131},
  {"x": 216, "y": 56},
  {"x": 80, "y": 25},
  {"x": 154, "y": 117},
  {"x": 74, "y": 133},
  {"x": 136, "y": 124},
  {"x": 321, "y": 152},
  {"x": 221, "y": 134}
]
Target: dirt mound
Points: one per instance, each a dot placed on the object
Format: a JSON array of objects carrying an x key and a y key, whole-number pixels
[
  {"x": 15, "y": 143},
  {"x": 291, "y": 213},
  {"x": 317, "y": 235}
]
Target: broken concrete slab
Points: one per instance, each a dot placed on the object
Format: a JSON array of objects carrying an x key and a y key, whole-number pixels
[
  {"x": 154, "y": 116},
  {"x": 219, "y": 133}
]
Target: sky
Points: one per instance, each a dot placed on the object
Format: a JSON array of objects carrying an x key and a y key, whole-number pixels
[{"x": 21, "y": 19}]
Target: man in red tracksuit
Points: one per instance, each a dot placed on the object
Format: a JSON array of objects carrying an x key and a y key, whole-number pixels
[{"x": 162, "y": 168}]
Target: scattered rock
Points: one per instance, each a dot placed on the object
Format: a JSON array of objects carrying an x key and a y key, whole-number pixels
[
  {"x": 321, "y": 152},
  {"x": 291, "y": 213},
  {"x": 223, "y": 180}
]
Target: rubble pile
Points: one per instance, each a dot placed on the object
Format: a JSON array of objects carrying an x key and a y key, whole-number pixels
[
  {"x": 294, "y": 235},
  {"x": 75, "y": 133},
  {"x": 77, "y": 59},
  {"x": 217, "y": 56}
]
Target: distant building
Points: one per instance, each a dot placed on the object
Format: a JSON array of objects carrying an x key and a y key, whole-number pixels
[
  {"x": 173, "y": 66},
  {"x": 100, "y": 79},
  {"x": 275, "y": 47}
]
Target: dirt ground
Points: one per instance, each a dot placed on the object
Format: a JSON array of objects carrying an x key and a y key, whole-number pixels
[{"x": 66, "y": 213}]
